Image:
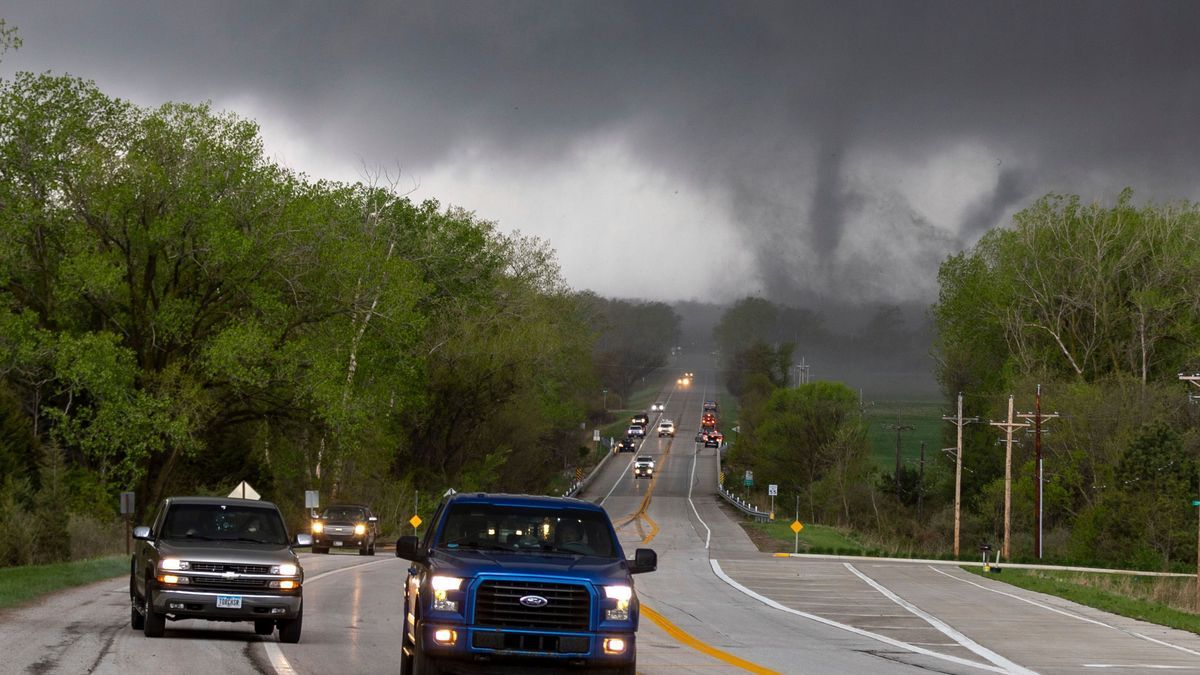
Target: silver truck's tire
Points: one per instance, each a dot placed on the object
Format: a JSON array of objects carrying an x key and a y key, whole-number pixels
[
  {"x": 289, "y": 629},
  {"x": 153, "y": 623}
]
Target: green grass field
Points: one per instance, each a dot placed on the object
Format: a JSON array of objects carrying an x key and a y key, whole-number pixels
[
  {"x": 1167, "y": 601},
  {"x": 813, "y": 538},
  {"x": 21, "y": 584},
  {"x": 923, "y": 414}
]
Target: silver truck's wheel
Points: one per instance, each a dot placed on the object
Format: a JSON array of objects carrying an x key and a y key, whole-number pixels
[
  {"x": 289, "y": 629},
  {"x": 154, "y": 624}
]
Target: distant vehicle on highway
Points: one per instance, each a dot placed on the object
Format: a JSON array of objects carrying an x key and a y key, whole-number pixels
[
  {"x": 636, "y": 431},
  {"x": 666, "y": 428},
  {"x": 643, "y": 467},
  {"x": 640, "y": 418},
  {"x": 514, "y": 583},
  {"x": 713, "y": 439},
  {"x": 657, "y": 407},
  {"x": 627, "y": 444},
  {"x": 345, "y": 526},
  {"x": 708, "y": 421},
  {"x": 218, "y": 559},
  {"x": 710, "y": 406}
]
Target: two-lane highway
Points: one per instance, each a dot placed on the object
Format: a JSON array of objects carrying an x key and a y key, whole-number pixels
[{"x": 715, "y": 605}]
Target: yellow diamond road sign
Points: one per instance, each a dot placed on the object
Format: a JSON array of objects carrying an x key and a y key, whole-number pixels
[
  {"x": 796, "y": 526},
  {"x": 415, "y": 521}
]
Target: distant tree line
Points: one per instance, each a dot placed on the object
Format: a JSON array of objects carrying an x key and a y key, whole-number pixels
[{"x": 178, "y": 313}]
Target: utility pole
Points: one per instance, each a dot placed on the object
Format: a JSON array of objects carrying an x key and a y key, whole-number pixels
[
  {"x": 1194, "y": 379},
  {"x": 958, "y": 451},
  {"x": 1009, "y": 427},
  {"x": 899, "y": 428},
  {"x": 1037, "y": 418}
]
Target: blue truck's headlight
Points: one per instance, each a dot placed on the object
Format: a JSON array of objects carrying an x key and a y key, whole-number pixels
[
  {"x": 622, "y": 594},
  {"x": 441, "y": 586}
]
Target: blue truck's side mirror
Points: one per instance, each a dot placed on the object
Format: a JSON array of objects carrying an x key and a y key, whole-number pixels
[
  {"x": 644, "y": 560},
  {"x": 406, "y": 547}
]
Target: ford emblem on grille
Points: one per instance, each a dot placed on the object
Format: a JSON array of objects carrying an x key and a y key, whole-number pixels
[{"x": 534, "y": 601}]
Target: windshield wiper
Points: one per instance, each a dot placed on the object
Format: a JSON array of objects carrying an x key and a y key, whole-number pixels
[
  {"x": 481, "y": 546},
  {"x": 249, "y": 539}
]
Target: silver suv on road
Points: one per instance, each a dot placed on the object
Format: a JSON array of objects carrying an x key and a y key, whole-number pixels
[{"x": 217, "y": 559}]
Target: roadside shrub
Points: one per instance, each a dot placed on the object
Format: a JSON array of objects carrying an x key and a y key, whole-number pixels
[{"x": 93, "y": 537}]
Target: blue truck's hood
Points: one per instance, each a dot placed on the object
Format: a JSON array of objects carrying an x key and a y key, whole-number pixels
[{"x": 471, "y": 563}]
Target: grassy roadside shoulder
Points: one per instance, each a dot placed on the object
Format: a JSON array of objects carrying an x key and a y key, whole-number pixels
[
  {"x": 777, "y": 537},
  {"x": 1158, "y": 600},
  {"x": 21, "y": 584}
]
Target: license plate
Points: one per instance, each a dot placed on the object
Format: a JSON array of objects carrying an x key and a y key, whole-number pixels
[
  {"x": 229, "y": 601},
  {"x": 337, "y": 543}
]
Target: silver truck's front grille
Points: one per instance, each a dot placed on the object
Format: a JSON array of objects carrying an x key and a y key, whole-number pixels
[{"x": 228, "y": 567}]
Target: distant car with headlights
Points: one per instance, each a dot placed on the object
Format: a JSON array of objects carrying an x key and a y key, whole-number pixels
[
  {"x": 640, "y": 418},
  {"x": 345, "y": 526},
  {"x": 636, "y": 431},
  {"x": 219, "y": 559},
  {"x": 666, "y": 428},
  {"x": 643, "y": 467},
  {"x": 657, "y": 407},
  {"x": 514, "y": 584},
  {"x": 627, "y": 444},
  {"x": 713, "y": 439}
]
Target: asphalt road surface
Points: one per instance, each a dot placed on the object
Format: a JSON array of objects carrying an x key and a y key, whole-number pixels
[{"x": 715, "y": 605}]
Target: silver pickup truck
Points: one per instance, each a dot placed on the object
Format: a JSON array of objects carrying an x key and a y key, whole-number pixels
[
  {"x": 643, "y": 467},
  {"x": 217, "y": 559}
]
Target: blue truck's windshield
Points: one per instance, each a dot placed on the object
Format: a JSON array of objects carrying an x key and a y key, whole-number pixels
[{"x": 508, "y": 528}]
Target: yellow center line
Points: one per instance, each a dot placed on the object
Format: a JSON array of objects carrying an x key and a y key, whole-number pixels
[{"x": 680, "y": 635}]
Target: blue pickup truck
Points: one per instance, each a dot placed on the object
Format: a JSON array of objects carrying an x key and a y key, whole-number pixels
[{"x": 515, "y": 583}]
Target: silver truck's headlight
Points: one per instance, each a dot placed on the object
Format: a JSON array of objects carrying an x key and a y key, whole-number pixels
[
  {"x": 173, "y": 564},
  {"x": 286, "y": 569}
]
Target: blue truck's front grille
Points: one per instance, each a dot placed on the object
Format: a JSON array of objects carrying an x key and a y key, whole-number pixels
[{"x": 498, "y": 603}]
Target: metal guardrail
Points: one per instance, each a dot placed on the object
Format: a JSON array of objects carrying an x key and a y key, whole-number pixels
[
  {"x": 734, "y": 500},
  {"x": 744, "y": 507},
  {"x": 578, "y": 485}
]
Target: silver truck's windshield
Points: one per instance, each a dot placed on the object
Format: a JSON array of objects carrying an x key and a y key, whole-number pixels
[
  {"x": 344, "y": 513},
  {"x": 218, "y": 522},
  {"x": 503, "y": 528}
]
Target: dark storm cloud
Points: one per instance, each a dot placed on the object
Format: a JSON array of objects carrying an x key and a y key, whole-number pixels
[{"x": 780, "y": 107}]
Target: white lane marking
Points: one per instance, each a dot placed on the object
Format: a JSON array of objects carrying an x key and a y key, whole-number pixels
[
  {"x": 1066, "y": 613},
  {"x": 708, "y": 536},
  {"x": 945, "y": 628},
  {"x": 637, "y": 452},
  {"x": 716, "y": 567},
  {"x": 1136, "y": 666},
  {"x": 278, "y": 661},
  {"x": 624, "y": 472}
]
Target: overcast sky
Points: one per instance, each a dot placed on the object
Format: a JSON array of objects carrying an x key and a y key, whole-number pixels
[{"x": 832, "y": 151}]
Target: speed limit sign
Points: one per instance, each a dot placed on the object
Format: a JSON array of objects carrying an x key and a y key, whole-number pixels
[{"x": 772, "y": 490}]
